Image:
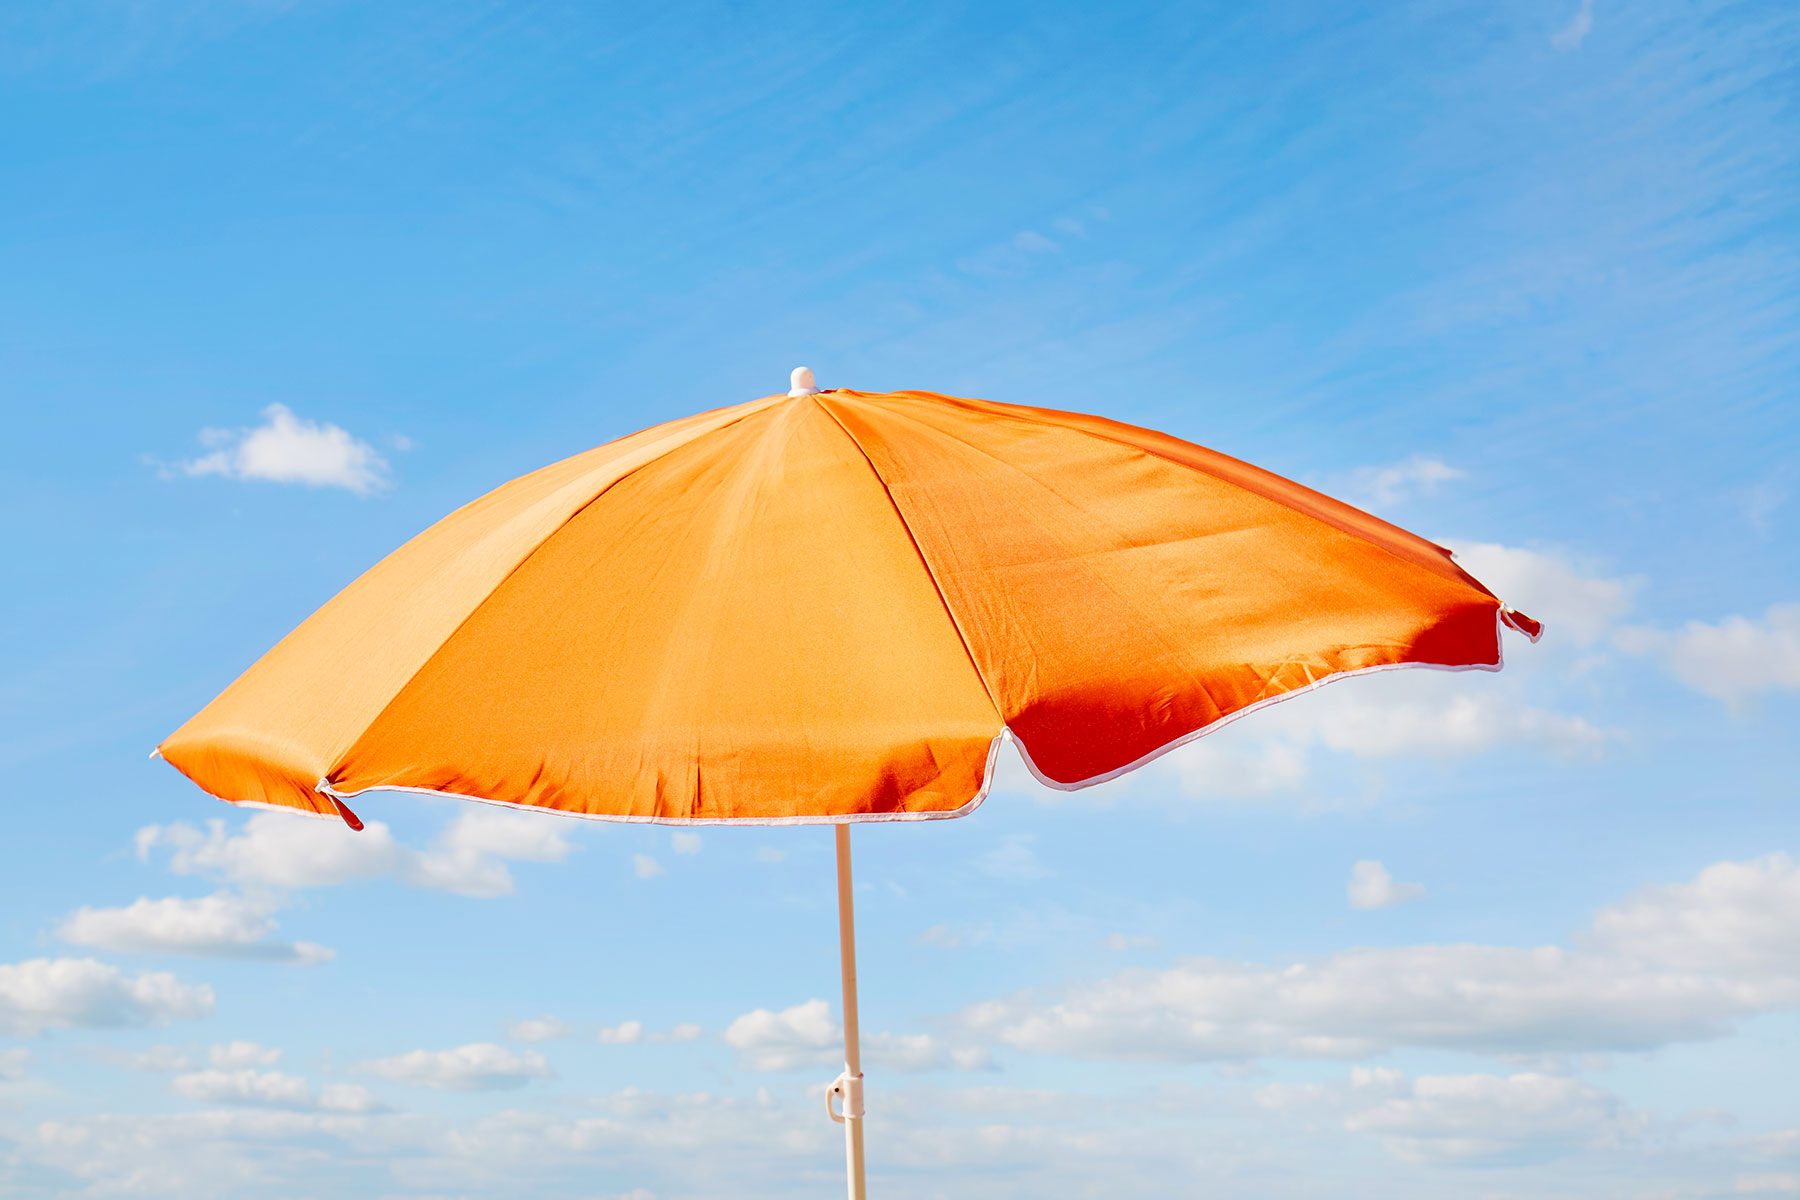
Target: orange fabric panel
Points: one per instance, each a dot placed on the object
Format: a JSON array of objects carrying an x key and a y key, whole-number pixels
[
  {"x": 278, "y": 729},
  {"x": 741, "y": 630},
  {"x": 1120, "y": 590},
  {"x": 828, "y": 606}
]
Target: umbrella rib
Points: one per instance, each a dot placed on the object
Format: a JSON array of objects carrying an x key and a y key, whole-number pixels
[{"x": 961, "y": 635}]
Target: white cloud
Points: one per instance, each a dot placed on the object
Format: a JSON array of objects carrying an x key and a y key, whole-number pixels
[
  {"x": 478, "y": 1067},
  {"x": 1737, "y": 919},
  {"x": 230, "y": 1056},
  {"x": 769, "y": 854},
  {"x": 645, "y": 867},
  {"x": 1119, "y": 943},
  {"x": 240, "y": 1149},
  {"x": 625, "y": 1033},
  {"x": 346, "y": 1098},
  {"x": 469, "y": 856},
  {"x": 1372, "y": 887},
  {"x": 1575, "y": 605},
  {"x": 685, "y": 843},
  {"x": 276, "y": 850},
  {"x": 922, "y": 1052},
  {"x": 977, "y": 1143},
  {"x": 1444, "y": 725},
  {"x": 807, "y": 1036},
  {"x": 1732, "y": 660},
  {"x": 13, "y": 1063},
  {"x": 269, "y": 1089},
  {"x": 1234, "y": 765},
  {"x": 511, "y": 833},
  {"x": 1490, "y": 1119},
  {"x": 223, "y": 925},
  {"x": 1384, "y": 487},
  {"x": 1672, "y": 964},
  {"x": 538, "y": 1029},
  {"x": 244, "y": 1086},
  {"x": 1475, "y": 1120},
  {"x": 217, "y": 1153},
  {"x": 290, "y": 449},
  {"x": 802, "y": 1036},
  {"x": 80, "y": 993},
  {"x": 1570, "y": 36}
]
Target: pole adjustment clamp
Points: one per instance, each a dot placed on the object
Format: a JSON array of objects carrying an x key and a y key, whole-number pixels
[{"x": 844, "y": 1098}]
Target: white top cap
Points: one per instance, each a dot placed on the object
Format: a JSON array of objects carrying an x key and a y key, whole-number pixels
[{"x": 800, "y": 382}]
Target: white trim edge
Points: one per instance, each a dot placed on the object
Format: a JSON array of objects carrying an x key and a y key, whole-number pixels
[{"x": 324, "y": 788}]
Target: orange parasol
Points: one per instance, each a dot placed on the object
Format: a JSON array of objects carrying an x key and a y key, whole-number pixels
[{"x": 826, "y": 607}]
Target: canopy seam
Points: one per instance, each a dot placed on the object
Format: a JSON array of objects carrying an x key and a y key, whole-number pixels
[
  {"x": 514, "y": 570},
  {"x": 930, "y": 574}
]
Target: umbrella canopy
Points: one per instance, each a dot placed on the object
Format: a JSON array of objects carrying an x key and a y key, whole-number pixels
[{"x": 831, "y": 606}]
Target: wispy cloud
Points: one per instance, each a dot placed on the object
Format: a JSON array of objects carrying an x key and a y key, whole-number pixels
[
  {"x": 1485, "y": 1120},
  {"x": 477, "y": 1067},
  {"x": 1570, "y": 36},
  {"x": 1732, "y": 660},
  {"x": 1406, "y": 714},
  {"x": 1761, "y": 501},
  {"x": 1671, "y": 964},
  {"x": 1016, "y": 253},
  {"x": 1371, "y": 886},
  {"x": 287, "y": 448},
  {"x": 538, "y": 1029},
  {"x": 1397, "y": 483}
]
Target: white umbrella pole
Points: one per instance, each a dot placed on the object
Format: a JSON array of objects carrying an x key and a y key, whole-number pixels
[{"x": 848, "y": 1088}]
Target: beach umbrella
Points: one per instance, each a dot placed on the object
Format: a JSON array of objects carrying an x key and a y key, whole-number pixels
[{"x": 829, "y": 607}]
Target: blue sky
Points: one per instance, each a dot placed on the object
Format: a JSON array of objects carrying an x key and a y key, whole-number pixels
[{"x": 1524, "y": 277}]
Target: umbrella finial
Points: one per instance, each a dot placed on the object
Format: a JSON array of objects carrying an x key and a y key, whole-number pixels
[{"x": 800, "y": 382}]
